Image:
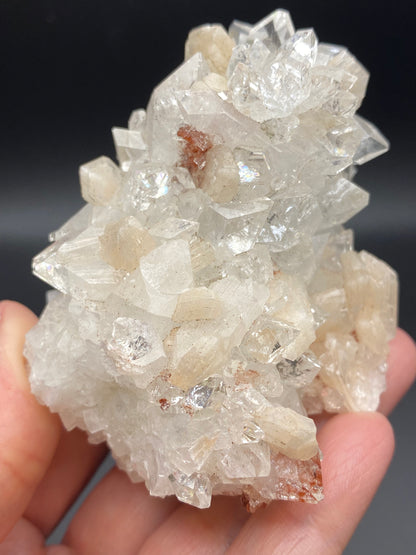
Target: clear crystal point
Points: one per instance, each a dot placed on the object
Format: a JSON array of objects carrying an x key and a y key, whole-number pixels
[
  {"x": 372, "y": 144},
  {"x": 276, "y": 28}
]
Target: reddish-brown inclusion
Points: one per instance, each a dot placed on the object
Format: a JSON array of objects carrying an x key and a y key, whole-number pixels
[
  {"x": 164, "y": 404},
  {"x": 301, "y": 486},
  {"x": 194, "y": 148}
]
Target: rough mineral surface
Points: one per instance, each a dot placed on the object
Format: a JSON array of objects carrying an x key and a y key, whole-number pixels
[{"x": 208, "y": 298}]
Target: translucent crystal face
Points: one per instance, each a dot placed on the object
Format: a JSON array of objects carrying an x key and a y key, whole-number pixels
[{"x": 209, "y": 300}]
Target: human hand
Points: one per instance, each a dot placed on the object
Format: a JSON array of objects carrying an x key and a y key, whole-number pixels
[{"x": 43, "y": 469}]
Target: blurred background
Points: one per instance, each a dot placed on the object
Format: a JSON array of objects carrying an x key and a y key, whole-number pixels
[{"x": 71, "y": 70}]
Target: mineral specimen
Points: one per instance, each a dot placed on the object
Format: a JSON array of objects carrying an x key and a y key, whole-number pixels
[{"x": 209, "y": 300}]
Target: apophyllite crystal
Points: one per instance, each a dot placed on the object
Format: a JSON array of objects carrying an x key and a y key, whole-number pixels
[{"x": 209, "y": 300}]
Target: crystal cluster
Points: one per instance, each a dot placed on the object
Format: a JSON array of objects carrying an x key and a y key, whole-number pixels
[{"x": 208, "y": 298}]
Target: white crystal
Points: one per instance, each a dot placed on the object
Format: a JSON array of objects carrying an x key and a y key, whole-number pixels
[
  {"x": 288, "y": 432},
  {"x": 202, "y": 254},
  {"x": 197, "y": 304},
  {"x": 123, "y": 243},
  {"x": 99, "y": 179},
  {"x": 371, "y": 287},
  {"x": 209, "y": 301},
  {"x": 214, "y": 43},
  {"x": 346, "y": 368}
]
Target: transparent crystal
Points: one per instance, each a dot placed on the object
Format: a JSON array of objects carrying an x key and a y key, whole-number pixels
[
  {"x": 75, "y": 267},
  {"x": 239, "y": 31},
  {"x": 164, "y": 116},
  {"x": 293, "y": 212},
  {"x": 150, "y": 192},
  {"x": 137, "y": 120},
  {"x": 74, "y": 225},
  {"x": 255, "y": 264},
  {"x": 135, "y": 347},
  {"x": 130, "y": 146},
  {"x": 299, "y": 259},
  {"x": 234, "y": 226},
  {"x": 289, "y": 302},
  {"x": 254, "y": 173},
  {"x": 167, "y": 269},
  {"x": 267, "y": 338},
  {"x": 199, "y": 396},
  {"x": 174, "y": 228},
  {"x": 372, "y": 144},
  {"x": 300, "y": 372},
  {"x": 340, "y": 200},
  {"x": 275, "y": 29},
  {"x": 194, "y": 489},
  {"x": 255, "y": 73}
]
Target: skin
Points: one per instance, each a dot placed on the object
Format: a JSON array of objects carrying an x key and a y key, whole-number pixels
[{"x": 43, "y": 469}]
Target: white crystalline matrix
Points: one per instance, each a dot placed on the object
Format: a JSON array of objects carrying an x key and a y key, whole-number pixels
[{"x": 208, "y": 298}]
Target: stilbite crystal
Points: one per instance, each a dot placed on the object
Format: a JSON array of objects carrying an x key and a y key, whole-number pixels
[
  {"x": 220, "y": 179},
  {"x": 214, "y": 43},
  {"x": 123, "y": 243},
  {"x": 197, "y": 304},
  {"x": 99, "y": 179},
  {"x": 209, "y": 300}
]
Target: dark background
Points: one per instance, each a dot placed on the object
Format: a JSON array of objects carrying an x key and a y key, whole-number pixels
[{"x": 70, "y": 70}]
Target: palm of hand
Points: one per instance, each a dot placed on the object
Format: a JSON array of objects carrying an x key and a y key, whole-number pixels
[{"x": 43, "y": 469}]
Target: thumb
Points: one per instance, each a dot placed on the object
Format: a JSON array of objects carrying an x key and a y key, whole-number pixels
[{"x": 28, "y": 432}]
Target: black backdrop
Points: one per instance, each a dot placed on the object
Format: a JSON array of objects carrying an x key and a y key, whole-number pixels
[{"x": 70, "y": 70}]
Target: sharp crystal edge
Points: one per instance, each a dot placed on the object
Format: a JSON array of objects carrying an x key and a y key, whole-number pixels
[{"x": 208, "y": 300}]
